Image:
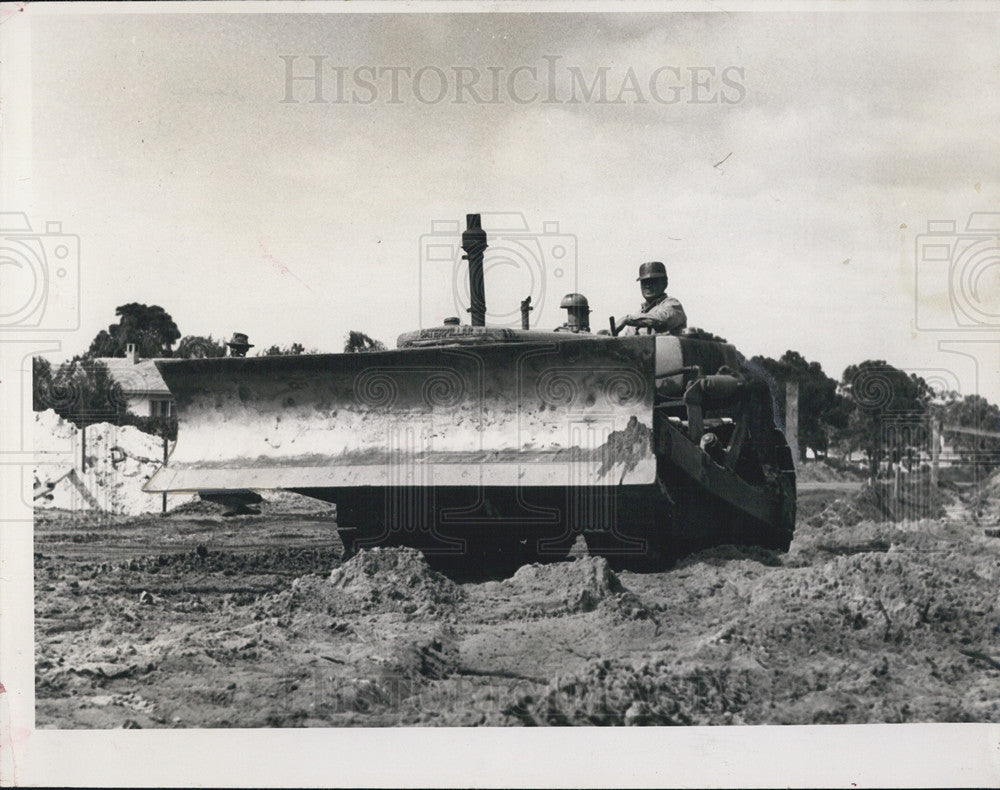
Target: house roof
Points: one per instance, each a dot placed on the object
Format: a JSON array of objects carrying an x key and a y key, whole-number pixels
[{"x": 141, "y": 378}]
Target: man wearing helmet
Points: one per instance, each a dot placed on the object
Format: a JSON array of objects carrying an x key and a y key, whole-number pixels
[
  {"x": 659, "y": 313},
  {"x": 577, "y": 314}
]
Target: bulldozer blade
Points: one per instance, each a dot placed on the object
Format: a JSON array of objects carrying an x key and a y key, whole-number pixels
[{"x": 555, "y": 413}]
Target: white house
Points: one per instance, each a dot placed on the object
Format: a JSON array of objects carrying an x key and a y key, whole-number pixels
[{"x": 145, "y": 392}]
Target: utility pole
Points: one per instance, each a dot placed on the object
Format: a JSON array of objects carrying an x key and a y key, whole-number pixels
[
  {"x": 83, "y": 438},
  {"x": 165, "y": 441}
]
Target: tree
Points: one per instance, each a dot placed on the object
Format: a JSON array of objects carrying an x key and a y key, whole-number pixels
[
  {"x": 359, "y": 342},
  {"x": 888, "y": 409},
  {"x": 41, "y": 383},
  {"x": 199, "y": 347},
  {"x": 149, "y": 327},
  {"x": 821, "y": 409},
  {"x": 294, "y": 350},
  {"x": 972, "y": 427},
  {"x": 81, "y": 391}
]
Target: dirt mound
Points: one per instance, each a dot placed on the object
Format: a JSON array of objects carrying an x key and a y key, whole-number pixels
[
  {"x": 374, "y": 581},
  {"x": 723, "y": 555},
  {"x": 584, "y": 585},
  {"x": 915, "y": 500},
  {"x": 910, "y": 601},
  {"x": 390, "y": 580},
  {"x": 818, "y": 542},
  {"x": 826, "y": 472},
  {"x": 275, "y": 503},
  {"x": 430, "y": 657},
  {"x": 851, "y": 510},
  {"x": 611, "y": 692},
  {"x": 579, "y": 585},
  {"x": 281, "y": 560},
  {"x": 289, "y": 502},
  {"x": 986, "y": 504},
  {"x": 197, "y": 507},
  {"x": 889, "y": 622}
]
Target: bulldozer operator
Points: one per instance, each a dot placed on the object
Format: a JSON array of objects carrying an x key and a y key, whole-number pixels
[{"x": 659, "y": 313}]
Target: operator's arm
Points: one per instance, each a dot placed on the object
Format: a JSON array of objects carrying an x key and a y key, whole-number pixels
[{"x": 667, "y": 316}]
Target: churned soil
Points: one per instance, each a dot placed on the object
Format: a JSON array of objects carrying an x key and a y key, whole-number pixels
[{"x": 192, "y": 620}]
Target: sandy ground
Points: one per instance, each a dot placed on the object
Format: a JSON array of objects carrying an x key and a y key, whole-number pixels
[{"x": 193, "y": 620}]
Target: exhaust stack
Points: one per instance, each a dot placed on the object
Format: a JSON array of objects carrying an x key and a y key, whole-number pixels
[{"x": 474, "y": 244}]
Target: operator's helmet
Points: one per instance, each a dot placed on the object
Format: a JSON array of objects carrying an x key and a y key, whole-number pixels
[
  {"x": 651, "y": 271},
  {"x": 575, "y": 300}
]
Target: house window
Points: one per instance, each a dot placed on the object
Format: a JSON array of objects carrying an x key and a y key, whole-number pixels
[{"x": 161, "y": 408}]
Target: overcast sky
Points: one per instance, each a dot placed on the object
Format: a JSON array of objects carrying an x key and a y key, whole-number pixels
[{"x": 783, "y": 167}]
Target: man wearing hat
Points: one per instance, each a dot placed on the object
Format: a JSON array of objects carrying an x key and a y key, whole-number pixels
[
  {"x": 659, "y": 313},
  {"x": 239, "y": 345}
]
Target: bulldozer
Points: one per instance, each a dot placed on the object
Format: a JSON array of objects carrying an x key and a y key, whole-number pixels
[{"x": 490, "y": 447}]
